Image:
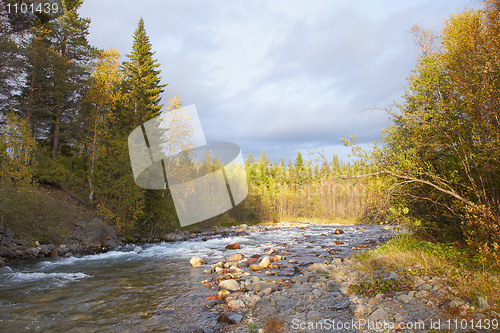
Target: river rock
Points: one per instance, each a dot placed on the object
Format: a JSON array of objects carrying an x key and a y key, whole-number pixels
[
  {"x": 222, "y": 294},
  {"x": 173, "y": 237},
  {"x": 235, "y": 246},
  {"x": 256, "y": 267},
  {"x": 482, "y": 303},
  {"x": 251, "y": 261},
  {"x": 236, "y": 257},
  {"x": 318, "y": 268},
  {"x": 276, "y": 258},
  {"x": 379, "y": 314},
  {"x": 230, "y": 284},
  {"x": 196, "y": 261},
  {"x": 338, "y": 231},
  {"x": 339, "y": 242},
  {"x": 229, "y": 318},
  {"x": 404, "y": 299},
  {"x": 98, "y": 234},
  {"x": 235, "y": 304},
  {"x": 314, "y": 316},
  {"x": 261, "y": 285},
  {"x": 265, "y": 262}
]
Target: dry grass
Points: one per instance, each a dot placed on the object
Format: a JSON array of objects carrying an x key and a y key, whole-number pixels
[
  {"x": 274, "y": 324},
  {"x": 468, "y": 275}
]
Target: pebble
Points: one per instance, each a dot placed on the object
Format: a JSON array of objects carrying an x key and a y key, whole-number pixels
[{"x": 196, "y": 261}]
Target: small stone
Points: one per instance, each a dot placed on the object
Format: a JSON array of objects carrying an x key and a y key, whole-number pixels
[
  {"x": 261, "y": 285},
  {"x": 339, "y": 242},
  {"x": 222, "y": 294},
  {"x": 398, "y": 318},
  {"x": 236, "y": 257},
  {"x": 267, "y": 291},
  {"x": 341, "y": 305},
  {"x": 339, "y": 231},
  {"x": 256, "y": 267},
  {"x": 372, "y": 301},
  {"x": 379, "y": 314},
  {"x": 265, "y": 262},
  {"x": 359, "y": 309},
  {"x": 235, "y": 246},
  {"x": 422, "y": 294},
  {"x": 229, "y": 318},
  {"x": 344, "y": 290},
  {"x": 404, "y": 299},
  {"x": 418, "y": 282},
  {"x": 251, "y": 261},
  {"x": 314, "y": 316},
  {"x": 207, "y": 271},
  {"x": 196, "y": 261},
  {"x": 276, "y": 258},
  {"x": 230, "y": 284},
  {"x": 332, "y": 286},
  {"x": 482, "y": 303},
  {"x": 235, "y": 304},
  {"x": 318, "y": 268}
]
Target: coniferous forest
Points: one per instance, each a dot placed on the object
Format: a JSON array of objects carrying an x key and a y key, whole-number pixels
[{"x": 67, "y": 109}]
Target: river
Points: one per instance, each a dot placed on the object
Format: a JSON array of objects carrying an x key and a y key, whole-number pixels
[{"x": 150, "y": 287}]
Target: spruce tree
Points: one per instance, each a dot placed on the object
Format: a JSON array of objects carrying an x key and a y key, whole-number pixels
[
  {"x": 69, "y": 39},
  {"x": 143, "y": 78}
]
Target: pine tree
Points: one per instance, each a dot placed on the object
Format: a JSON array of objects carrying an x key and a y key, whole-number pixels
[{"x": 142, "y": 78}]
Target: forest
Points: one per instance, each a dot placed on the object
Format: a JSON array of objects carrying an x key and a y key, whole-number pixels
[{"x": 67, "y": 108}]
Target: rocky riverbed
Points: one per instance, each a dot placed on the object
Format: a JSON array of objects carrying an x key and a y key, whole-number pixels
[{"x": 274, "y": 291}]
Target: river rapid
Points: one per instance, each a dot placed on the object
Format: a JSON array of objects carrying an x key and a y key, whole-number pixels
[{"x": 151, "y": 287}]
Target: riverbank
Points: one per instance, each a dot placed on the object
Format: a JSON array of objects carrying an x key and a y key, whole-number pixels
[{"x": 366, "y": 292}]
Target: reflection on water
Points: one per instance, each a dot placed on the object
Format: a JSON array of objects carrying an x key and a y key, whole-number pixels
[{"x": 148, "y": 288}]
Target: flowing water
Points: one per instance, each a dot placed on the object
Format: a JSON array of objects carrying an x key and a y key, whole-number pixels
[{"x": 147, "y": 288}]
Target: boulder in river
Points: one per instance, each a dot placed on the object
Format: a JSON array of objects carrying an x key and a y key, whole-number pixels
[
  {"x": 98, "y": 234},
  {"x": 338, "y": 231},
  {"x": 173, "y": 237},
  {"x": 230, "y": 284},
  {"x": 236, "y": 257},
  {"x": 196, "y": 261},
  {"x": 235, "y": 246}
]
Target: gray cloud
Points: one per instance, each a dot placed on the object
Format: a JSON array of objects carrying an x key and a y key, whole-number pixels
[{"x": 278, "y": 75}]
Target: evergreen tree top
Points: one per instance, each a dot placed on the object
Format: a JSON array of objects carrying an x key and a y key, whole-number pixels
[{"x": 143, "y": 80}]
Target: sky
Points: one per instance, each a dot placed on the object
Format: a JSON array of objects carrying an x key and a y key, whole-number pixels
[{"x": 279, "y": 75}]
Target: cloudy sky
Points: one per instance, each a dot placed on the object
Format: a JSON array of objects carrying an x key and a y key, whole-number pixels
[{"x": 278, "y": 75}]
